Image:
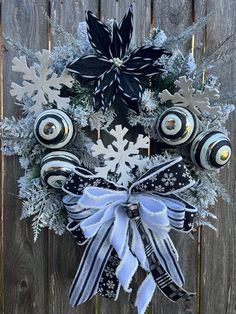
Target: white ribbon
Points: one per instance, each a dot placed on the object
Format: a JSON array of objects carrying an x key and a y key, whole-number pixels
[{"x": 98, "y": 206}]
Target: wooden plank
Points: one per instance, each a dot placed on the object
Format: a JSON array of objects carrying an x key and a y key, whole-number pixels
[
  {"x": 1, "y": 181},
  {"x": 24, "y": 263},
  {"x": 199, "y": 11},
  {"x": 68, "y": 13},
  {"x": 65, "y": 255},
  {"x": 174, "y": 17},
  {"x": 142, "y": 15},
  {"x": 218, "y": 254},
  {"x": 142, "y": 24}
]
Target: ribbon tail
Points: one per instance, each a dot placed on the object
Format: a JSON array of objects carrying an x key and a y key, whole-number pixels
[
  {"x": 109, "y": 285},
  {"x": 145, "y": 293},
  {"x": 126, "y": 269},
  {"x": 190, "y": 213},
  {"x": 119, "y": 232},
  {"x": 91, "y": 267},
  {"x": 162, "y": 278},
  {"x": 137, "y": 246},
  {"x": 166, "y": 254}
]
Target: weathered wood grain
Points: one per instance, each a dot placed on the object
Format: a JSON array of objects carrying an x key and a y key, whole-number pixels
[
  {"x": 25, "y": 267},
  {"x": 142, "y": 15},
  {"x": 142, "y": 24},
  {"x": 218, "y": 254},
  {"x": 37, "y": 277},
  {"x": 68, "y": 13},
  {"x": 174, "y": 17},
  {"x": 65, "y": 255},
  {"x": 1, "y": 182},
  {"x": 199, "y": 11}
]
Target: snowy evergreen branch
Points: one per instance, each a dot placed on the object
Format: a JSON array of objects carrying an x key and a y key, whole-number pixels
[{"x": 44, "y": 204}]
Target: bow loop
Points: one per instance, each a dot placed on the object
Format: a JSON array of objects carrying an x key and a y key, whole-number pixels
[
  {"x": 82, "y": 178},
  {"x": 95, "y": 197},
  {"x": 138, "y": 220},
  {"x": 166, "y": 178},
  {"x": 153, "y": 213}
]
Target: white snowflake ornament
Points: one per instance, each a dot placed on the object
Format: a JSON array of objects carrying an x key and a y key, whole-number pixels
[
  {"x": 148, "y": 101},
  {"x": 40, "y": 82},
  {"x": 196, "y": 101},
  {"x": 121, "y": 156}
]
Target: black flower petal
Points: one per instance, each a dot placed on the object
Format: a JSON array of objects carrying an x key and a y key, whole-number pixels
[
  {"x": 130, "y": 86},
  {"x": 136, "y": 64},
  {"x": 151, "y": 53},
  {"x": 116, "y": 43},
  {"x": 108, "y": 96},
  {"x": 97, "y": 101},
  {"x": 133, "y": 105},
  {"x": 108, "y": 78},
  {"x": 90, "y": 66},
  {"x": 126, "y": 30},
  {"x": 145, "y": 69},
  {"x": 98, "y": 34},
  {"x": 105, "y": 91},
  {"x": 104, "y": 98},
  {"x": 151, "y": 70}
]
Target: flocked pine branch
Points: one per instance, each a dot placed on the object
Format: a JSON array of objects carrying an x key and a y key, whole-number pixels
[
  {"x": 17, "y": 46},
  {"x": 44, "y": 204},
  {"x": 17, "y": 135},
  {"x": 177, "y": 40}
]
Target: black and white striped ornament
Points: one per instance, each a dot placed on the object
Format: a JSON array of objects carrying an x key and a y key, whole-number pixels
[
  {"x": 57, "y": 166},
  {"x": 54, "y": 129},
  {"x": 177, "y": 126},
  {"x": 210, "y": 149}
]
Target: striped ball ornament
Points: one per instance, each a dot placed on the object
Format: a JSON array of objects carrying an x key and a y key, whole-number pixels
[
  {"x": 57, "y": 166},
  {"x": 177, "y": 126},
  {"x": 210, "y": 149},
  {"x": 54, "y": 129}
]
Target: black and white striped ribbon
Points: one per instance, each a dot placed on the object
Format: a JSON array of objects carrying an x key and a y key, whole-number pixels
[
  {"x": 160, "y": 274},
  {"x": 94, "y": 260}
]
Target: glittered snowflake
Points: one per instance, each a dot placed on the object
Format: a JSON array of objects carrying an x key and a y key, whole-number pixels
[
  {"x": 168, "y": 179},
  {"x": 198, "y": 101},
  {"x": 40, "y": 82},
  {"x": 121, "y": 156},
  {"x": 149, "y": 103}
]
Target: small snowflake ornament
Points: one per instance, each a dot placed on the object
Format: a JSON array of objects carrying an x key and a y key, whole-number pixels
[
  {"x": 40, "y": 82},
  {"x": 195, "y": 100},
  {"x": 149, "y": 103},
  {"x": 121, "y": 156}
]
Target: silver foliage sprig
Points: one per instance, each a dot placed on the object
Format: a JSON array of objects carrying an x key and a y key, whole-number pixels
[{"x": 43, "y": 203}]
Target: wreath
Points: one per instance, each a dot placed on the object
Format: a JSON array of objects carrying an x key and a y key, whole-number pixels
[{"x": 157, "y": 152}]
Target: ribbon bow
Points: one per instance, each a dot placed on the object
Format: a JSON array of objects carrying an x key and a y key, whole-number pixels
[{"x": 128, "y": 227}]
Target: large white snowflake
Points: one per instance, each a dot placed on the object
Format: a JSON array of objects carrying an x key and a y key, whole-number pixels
[
  {"x": 197, "y": 101},
  {"x": 40, "y": 82},
  {"x": 121, "y": 156}
]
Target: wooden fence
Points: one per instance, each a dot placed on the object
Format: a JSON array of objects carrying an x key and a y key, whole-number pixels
[{"x": 35, "y": 278}]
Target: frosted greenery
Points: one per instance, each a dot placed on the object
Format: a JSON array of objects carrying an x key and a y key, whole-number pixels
[{"x": 44, "y": 204}]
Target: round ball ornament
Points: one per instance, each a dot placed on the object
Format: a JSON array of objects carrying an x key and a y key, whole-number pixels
[
  {"x": 54, "y": 129},
  {"x": 210, "y": 149},
  {"x": 57, "y": 166},
  {"x": 177, "y": 126}
]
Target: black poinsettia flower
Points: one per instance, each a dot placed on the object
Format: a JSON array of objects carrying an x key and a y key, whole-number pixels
[{"x": 115, "y": 72}]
